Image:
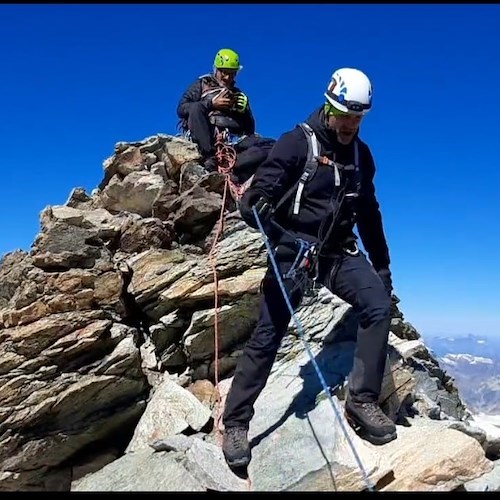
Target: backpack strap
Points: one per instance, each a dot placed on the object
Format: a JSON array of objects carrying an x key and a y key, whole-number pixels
[
  {"x": 355, "y": 167},
  {"x": 311, "y": 163},
  {"x": 309, "y": 168}
]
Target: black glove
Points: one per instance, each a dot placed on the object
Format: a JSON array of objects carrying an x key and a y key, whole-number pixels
[
  {"x": 386, "y": 277},
  {"x": 254, "y": 199}
]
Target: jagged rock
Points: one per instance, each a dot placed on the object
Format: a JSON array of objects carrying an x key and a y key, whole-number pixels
[
  {"x": 238, "y": 320},
  {"x": 14, "y": 268},
  {"x": 144, "y": 234},
  {"x": 136, "y": 193},
  {"x": 173, "y": 443},
  {"x": 190, "y": 174},
  {"x": 205, "y": 392},
  {"x": 108, "y": 353},
  {"x": 487, "y": 482},
  {"x": 128, "y": 161},
  {"x": 491, "y": 443},
  {"x": 428, "y": 457},
  {"x": 200, "y": 468},
  {"x": 170, "y": 411},
  {"x": 410, "y": 348},
  {"x": 78, "y": 198},
  {"x": 404, "y": 330},
  {"x": 178, "y": 152},
  {"x": 194, "y": 210}
]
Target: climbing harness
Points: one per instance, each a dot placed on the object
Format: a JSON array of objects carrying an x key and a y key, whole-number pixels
[
  {"x": 304, "y": 259},
  {"x": 313, "y": 161},
  {"x": 300, "y": 330}
]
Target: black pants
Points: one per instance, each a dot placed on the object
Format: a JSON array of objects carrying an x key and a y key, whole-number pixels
[
  {"x": 353, "y": 279},
  {"x": 202, "y": 131}
]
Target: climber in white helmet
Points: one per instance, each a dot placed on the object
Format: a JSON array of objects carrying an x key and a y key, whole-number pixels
[
  {"x": 349, "y": 98},
  {"x": 314, "y": 187}
]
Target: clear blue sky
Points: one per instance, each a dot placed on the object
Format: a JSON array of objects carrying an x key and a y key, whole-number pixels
[{"x": 76, "y": 79}]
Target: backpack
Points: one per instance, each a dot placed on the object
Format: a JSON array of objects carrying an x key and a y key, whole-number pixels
[{"x": 313, "y": 161}]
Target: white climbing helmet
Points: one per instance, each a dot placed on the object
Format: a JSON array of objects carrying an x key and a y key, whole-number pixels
[{"x": 350, "y": 91}]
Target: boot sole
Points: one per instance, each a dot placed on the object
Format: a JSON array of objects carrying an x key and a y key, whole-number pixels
[
  {"x": 238, "y": 462},
  {"x": 363, "y": 433}
]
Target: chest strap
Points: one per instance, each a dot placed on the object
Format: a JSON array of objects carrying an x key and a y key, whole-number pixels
[{"x": 312, "y": 162}]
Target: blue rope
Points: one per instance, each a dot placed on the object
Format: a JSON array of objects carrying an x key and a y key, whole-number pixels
[{"x": 300, "y": 329}]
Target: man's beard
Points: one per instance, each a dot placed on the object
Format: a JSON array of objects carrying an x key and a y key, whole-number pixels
[{"x": 345, "y": 137}]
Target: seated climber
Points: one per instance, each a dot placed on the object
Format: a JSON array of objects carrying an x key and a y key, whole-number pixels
[{"x": 212, "y": 103}]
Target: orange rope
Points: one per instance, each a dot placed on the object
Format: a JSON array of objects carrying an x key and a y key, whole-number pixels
[{"x": 226, "y": 158}]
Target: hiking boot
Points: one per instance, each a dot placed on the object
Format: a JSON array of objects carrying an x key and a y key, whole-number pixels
[
  {"x": 370, "y": 422},
  {"x": 235, "y": 447}
]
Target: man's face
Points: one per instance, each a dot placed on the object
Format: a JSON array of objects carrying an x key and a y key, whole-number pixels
[
  {"x": 226, "y": 76},
  {"x": 346, "y": 125}
]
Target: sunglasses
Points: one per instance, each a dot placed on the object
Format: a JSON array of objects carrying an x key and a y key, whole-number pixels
[
  {"x": 331, "y": 110},
  {"x": 228, "y": 72}
]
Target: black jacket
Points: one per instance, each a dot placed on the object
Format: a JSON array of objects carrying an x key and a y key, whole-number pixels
[
  {"x": 282, "y": 170},
  {"x": 193, "y": 94}
]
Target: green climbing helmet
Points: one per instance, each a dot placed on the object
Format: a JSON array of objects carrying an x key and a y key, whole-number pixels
[{"x": 227, "y": 59}]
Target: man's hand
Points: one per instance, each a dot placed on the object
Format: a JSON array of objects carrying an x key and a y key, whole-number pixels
[
  {"x": 222, "y": 101},
  {"x": 254, "y": 199},
  {"x": 241, "y": 102},
  {"x": 386, "y": 277}
]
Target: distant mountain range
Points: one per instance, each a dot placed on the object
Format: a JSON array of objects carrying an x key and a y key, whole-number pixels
[{"x": 474, "y": 362}]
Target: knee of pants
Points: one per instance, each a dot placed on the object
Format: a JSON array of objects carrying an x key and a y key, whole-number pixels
[
  {"x": 265, "y": 340},
  {"x": 197, "y": 109},
  {"x": 374, "y": 305}
]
